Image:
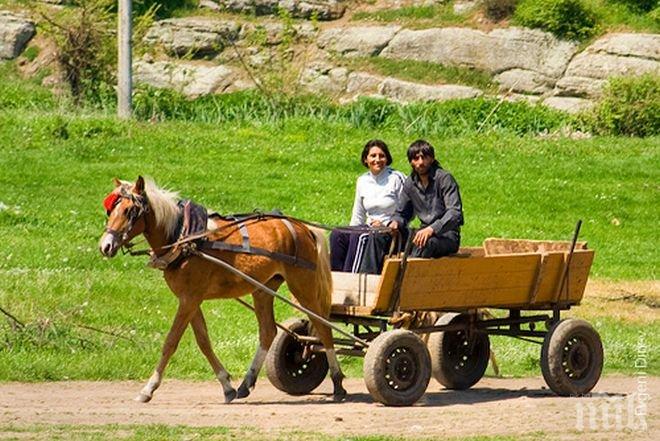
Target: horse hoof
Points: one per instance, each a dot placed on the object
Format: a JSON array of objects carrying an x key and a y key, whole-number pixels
[
  {"x": 243, "y": 391},
  {"x": 229, "y": 396},
  {"x": 142, "y": 398},
  {"x": 339, "y": 395}
]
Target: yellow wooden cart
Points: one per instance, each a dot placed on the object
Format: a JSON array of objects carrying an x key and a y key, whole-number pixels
[{"x": 516, "y": 276}]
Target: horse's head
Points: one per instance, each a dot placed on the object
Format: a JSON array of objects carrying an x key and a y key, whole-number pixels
[{"x": 126, "y": 206}]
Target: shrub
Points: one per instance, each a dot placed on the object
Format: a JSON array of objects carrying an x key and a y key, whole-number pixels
[
  {"x": 629, "y": 106},
  {"x": 569, "y": 19},
  {"x": 638, "y": 5},
  {"x": 499, "y": 9}
]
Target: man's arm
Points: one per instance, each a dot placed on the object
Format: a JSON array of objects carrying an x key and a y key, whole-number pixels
[
  {"x": 453, "y": 217},
  {"x": 404, "y": 210}
]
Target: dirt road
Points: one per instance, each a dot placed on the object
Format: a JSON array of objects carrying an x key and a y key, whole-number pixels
[{"x": 494, "y": 406}]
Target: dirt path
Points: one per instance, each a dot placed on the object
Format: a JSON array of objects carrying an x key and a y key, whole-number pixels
[{"x": 493, "y": 407}]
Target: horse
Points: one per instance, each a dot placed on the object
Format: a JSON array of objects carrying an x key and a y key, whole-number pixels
[{"x": 144, "y": 208}]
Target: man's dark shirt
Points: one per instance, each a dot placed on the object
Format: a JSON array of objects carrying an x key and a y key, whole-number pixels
[{"x": 438, "y": 206}]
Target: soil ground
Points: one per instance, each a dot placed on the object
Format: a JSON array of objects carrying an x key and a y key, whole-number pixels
[{"x": 493, "y": 407}]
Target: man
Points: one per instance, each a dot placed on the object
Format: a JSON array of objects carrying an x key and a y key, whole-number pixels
[{"x": 431, "y": 194}]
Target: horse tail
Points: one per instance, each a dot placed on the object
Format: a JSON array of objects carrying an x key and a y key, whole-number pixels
[{"x": 323, "y": 275}]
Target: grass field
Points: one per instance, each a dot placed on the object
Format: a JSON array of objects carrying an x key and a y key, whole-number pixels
[{"x": 86, "y": 317}]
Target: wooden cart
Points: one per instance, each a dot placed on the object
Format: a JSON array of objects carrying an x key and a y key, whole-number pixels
[{"x": 517, "y": 276}]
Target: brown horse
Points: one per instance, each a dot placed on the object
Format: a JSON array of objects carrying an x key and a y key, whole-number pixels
[{"x": 143, "y": 208}]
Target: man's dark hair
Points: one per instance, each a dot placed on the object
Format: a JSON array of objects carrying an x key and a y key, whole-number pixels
[
  {"x": 421, "y": 147},
  {"x": 376, "y": 143}
]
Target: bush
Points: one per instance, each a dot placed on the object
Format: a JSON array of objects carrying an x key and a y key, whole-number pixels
[
  {"x": 499, "y": 9},
  {"x": 569, "y": 19},
  {"x": 638, "y": 5},
  {"x": 629, "y": 106}
]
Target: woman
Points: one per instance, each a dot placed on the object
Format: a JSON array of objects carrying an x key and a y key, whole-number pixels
[{"x": 376, "y": 195}]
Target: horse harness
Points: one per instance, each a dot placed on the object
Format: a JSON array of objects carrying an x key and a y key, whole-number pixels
[{"x": 191, "y": 232}]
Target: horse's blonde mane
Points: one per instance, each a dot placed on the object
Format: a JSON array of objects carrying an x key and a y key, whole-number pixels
[{"x": 164, "y": 205}]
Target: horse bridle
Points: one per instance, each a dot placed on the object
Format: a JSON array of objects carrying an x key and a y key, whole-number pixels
[{"x": 139, "y": 208}]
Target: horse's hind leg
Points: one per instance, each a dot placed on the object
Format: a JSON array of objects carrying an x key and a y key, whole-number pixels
[
  {"x": 198, "y": 325},
  {"x": 184, "y": 313},
  {"x": 325, "y": 334},
  {"x": 263, "y": 306}
]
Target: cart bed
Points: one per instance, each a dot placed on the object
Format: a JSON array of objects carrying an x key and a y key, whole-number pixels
[{"x": 504, "y": 273}]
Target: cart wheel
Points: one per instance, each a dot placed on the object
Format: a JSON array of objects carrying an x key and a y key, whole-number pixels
[
  {"x": 572, "y": 357},
  {"x": 397, "y": 368},
  {"x": 457, "y": 362},
  {"x": 286, "y": 368}
]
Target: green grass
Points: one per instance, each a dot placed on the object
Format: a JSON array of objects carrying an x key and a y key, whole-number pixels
[
  {"x": 56, "y": 167},
  {"x": 423, "y": 72},
  {"x": 415, "y": 16},
  {"x": 156, "y": 432}
]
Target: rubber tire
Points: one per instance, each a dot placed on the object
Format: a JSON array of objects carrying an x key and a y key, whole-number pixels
[
  {"x": 284, "y": 366},
  {"x": 376, "y": 367},
  {"x": 444, "y": 365},
  {"x": 552, "y": 357}
]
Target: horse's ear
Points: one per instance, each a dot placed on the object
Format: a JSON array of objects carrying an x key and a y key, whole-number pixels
[
  {"x": 139, "y": 185},
  {"x": 117, "y": 182}
]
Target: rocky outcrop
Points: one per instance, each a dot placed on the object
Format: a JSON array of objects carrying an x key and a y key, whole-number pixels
[
  {"x": 497, "y": 51},
  {"x": 321, "y": 9},
  {"x": 406, "y": 92},
  {"x": 190, "y": 79},
  {"x": 15, "y": 33},
  {"x": 612, "y": 55},
  {"x": 357, "y": 41},
  {"x": 533, "y": 59},
  {"x": 338, "y": 81},
  {"x": 195, "y": 36}
]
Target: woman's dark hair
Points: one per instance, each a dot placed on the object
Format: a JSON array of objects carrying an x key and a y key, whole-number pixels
[
  {"x": 376, "y": 143},
  {"x": 421, "y": 147}
]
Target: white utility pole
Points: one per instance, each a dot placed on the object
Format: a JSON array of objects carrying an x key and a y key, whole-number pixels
[{"x": 124, "y": 75}]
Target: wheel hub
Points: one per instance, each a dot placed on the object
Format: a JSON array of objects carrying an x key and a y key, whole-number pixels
[
  {"x": 576, "y": 358},
  {"x": 401, "y": 369}
]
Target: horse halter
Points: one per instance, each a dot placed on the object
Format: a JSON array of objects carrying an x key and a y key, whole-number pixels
[{"x": 139, "y": 208}]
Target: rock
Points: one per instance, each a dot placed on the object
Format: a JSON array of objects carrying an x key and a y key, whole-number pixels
[
  {"x": 497, "y": 51},
  {"x": 463, "y": 7},
  {"x": 190, "y": 79},
  {"x": 580, "y": 86},
  {"x": 568, "y": 104},
  {"x": 405, "y": 92},
  {"x": 362, "y": 83},
  {"x": 357, "y": 41},
  {"x": 323, "y": 78},
  {"x": 194, "y": 36},
  {"x": 628, "y": 45},
  {"x": 15, "y": 33},
  {"x": 209, "y": 4},
  {"x": 611, "y": 55},
  {"x": 524, "y": 81},
  {"x": 602, "y": 66},
  {"x": 321, "y": 9}
]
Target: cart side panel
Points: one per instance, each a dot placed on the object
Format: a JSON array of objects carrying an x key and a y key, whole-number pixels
[
  {"x": 459, "y": 283},
  {"x": 354, "y": 289},
  {"x": 493, "y": 281},
  {"x": 494, "y": 246},
  {"x": 577, "y": 276}
]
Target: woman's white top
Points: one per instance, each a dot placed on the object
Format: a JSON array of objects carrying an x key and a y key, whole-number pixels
[{"x": 376, "y": 196}]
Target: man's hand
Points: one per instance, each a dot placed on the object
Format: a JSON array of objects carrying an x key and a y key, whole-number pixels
[
  {"x": 422, "y": 236},
  {"x": 394, "y": 227},
  {"x": 376, "y": 223}
]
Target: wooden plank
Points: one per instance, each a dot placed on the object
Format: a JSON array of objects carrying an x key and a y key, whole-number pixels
[
  {"x": 354, "y": 289},
  {"x": 352, "y": 310},
  {"x": 387, "y": 280},
  {"x": 494, "y": 246}
]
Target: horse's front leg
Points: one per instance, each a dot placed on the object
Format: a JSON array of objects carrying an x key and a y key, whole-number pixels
[
  {"x": 184, "y": 314},
  {"x": 263, "y": 307},
  {"x": 202, "y": 336}
]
